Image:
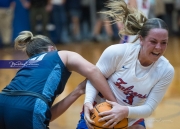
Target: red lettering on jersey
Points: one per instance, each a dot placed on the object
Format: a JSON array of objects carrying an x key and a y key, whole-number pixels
[
  {"x": 129, "y": 99},
  {"x": 119, "y": 82},
  {"x": 130, "y": 94}
]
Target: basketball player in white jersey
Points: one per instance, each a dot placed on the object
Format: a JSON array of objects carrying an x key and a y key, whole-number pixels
[
  {"x": 138, "y": 73},
  {"x": 141, "y": 5}
]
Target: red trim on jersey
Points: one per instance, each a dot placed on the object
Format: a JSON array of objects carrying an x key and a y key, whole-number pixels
[{"x": 139, "y": 121}]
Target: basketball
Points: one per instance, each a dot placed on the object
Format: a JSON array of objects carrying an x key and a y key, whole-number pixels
[{"x": 105, "y": 107}]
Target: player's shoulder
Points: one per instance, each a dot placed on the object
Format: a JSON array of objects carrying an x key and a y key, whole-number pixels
[
  {"x": 164, "y": 63},
  {"x": 123, "y": 46},
  {"x": 123, "y": 49}
]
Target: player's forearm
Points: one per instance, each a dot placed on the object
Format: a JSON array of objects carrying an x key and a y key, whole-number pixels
[
  {"x": 91, "y": 93},
  {"x": 140, "y": 111},
  {"x": 60, "y": 107},
  {"x": 101, "y": 84}
]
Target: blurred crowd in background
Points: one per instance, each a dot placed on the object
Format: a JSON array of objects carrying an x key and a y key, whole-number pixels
[{"x": 73, "y": 21}]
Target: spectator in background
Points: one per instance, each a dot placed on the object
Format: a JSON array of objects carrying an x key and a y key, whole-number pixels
[
  {"x": 102, "y": 23},
  {"x": 144, "y": 7},
  {"x": 74, "y": 13},
  {"x": 6, "y": 16},
  {"x": 59, "y": 19},
  {"x": 177, "y": 7},
  {"x": 151, "y": 9},
  {"x": 169, "y": 8},
  {"x": 21, "y": 20},
  {"x": 85, "y": 19},
  {"x": 159, "y": 9},
  {"x": 39, "y": 10}
]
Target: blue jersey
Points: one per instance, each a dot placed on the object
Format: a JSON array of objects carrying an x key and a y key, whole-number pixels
[{"x": 48, "y": 79}]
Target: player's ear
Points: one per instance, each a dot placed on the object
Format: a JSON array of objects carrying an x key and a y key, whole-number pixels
[{"x": 51, "y": 48}]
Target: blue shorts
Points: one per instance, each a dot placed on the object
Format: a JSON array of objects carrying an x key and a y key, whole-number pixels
[
  {"x": 82, "y": 123},
  {"x": 23, "y": 112},
  {"x": 140, "y": 122}
]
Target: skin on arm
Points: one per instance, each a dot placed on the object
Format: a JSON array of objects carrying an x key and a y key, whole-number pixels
[
  {"x": 60, "y": 107},
  {"x": 107, "y": 64},
  {"x": 75, "y": 62},
  {"x": 93, "y": 74}
]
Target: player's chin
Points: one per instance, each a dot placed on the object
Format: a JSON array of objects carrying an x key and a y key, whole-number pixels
[{"x": 155, "y": 58}]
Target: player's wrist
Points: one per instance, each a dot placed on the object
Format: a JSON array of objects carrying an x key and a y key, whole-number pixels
[
  {"x": 76, "y": 93},
  {"x": 125, "y": 111},
  {"x": 87, "y": 103}
]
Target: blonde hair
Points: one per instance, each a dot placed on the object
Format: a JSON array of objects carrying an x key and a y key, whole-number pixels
[
  {"x": 22, "y": 40},
  {"x": 32, "y": 44},
  {"x": 132, "y": 19}
]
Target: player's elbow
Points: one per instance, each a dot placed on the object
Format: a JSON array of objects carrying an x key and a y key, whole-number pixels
[
  {"x": 93, "y": 72},
  {"x": 149, "y": 112}
]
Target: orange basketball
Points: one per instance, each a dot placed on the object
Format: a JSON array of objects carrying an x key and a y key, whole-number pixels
[{"x": 105, "y": 107}]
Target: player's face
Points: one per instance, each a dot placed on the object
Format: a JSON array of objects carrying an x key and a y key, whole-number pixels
[{"x": 153, "y": 46}]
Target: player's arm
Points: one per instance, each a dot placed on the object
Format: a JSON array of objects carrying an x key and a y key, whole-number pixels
[
  {"x": 154, "y": 98},
  {"x": 60, "y": 107},
  {"x": 108, "y": 63},
  {"x": 75, "y": 62}
]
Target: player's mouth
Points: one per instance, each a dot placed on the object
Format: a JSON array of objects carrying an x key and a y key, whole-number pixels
[{"x": 155, "y": 53}]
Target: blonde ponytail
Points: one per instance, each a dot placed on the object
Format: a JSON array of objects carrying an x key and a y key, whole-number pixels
[
  {"x": 22, "y": 40},
  {"x": 32, "y": 45},
  {"x": 131, "y": 18}
]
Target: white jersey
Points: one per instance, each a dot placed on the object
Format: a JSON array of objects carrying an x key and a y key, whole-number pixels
[{"x": 138, "y": 87}]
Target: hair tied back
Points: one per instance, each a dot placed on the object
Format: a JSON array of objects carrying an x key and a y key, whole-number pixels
[{"x": 23, "y": 39}]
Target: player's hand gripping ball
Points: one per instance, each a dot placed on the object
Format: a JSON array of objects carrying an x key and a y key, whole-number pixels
[{"x": 105, "y": 107}]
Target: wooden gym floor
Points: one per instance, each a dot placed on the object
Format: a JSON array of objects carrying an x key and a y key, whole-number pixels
[{"x": 167, "y": 114}]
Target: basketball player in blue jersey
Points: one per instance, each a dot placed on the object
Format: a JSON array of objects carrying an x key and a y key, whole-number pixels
[
  {"x": 26, "y": 102},
  {"x": 138, "y": 73}
]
